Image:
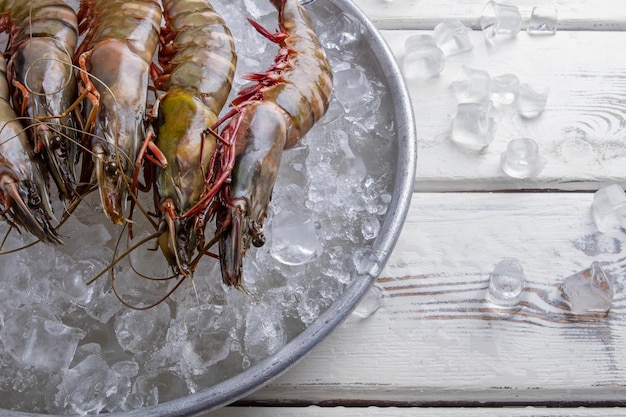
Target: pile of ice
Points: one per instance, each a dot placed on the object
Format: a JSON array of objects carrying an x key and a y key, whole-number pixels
[{"x": 71, "y": 348}]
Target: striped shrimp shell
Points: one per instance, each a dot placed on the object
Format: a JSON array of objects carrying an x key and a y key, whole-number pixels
[{"x": 198, "y": 64}]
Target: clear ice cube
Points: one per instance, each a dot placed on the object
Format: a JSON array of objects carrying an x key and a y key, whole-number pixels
[
  {"x": 37, "y": 339},
  {"x": 205, "y": 337},
  {"x": 343, "y": 34},
  {"x": 472, "y": 127},
  {"x": 138, "y": 331},
  {"x": 589, "y": 290},
  {"x": 372, "y": 301},
  {"x": 74, "y": 282},
  {"x": 452, "y": 37},
  {"x": 507, "y": 283},
  {"x": 357, "y": 90},
  {"x": 87, "y": 386},
  {"x": 531, "y": 100},
  {"x": 128, "y": 368},
  {"x": 294, "y": 238},
  {"x": 500, "y": 20},
  {"x": 160, "y": 386},
  {"x": 370, "y": 227},
  {"x": 258, "y": 9},
  {"x": 474, "y": 88},
  {"x": 368, "y": 261},
  {"x": 521, "y": 158},
  {"x": 543, "y": 21},
  {"x": 264, "y": 334},
  {"x": 504, "y": 89},
  {"x": 104, "y": 307},
  {"x": 423, "y": 58},
  {"x": 609, "y": 208},
  {"x": 51, "y": 344}
]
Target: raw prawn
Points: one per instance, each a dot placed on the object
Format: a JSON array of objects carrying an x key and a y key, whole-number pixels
[
  {"x": 42, "y": 40},
  {"x": 197, "y": 57},
  {"x": 23, "y": 196},
  {"x": 271, "y": 115},
  {"x": 115, "y": 56}
]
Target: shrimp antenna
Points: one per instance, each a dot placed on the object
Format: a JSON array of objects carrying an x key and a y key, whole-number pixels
[{"x": 121, "y": 257}]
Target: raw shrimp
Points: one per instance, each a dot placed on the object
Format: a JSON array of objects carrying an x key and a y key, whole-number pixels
[
  {"x": 42, "y": 40},
  {"x": 198, "y": 61},
  {"x": 115, "y": 56},
  {"x": 23, "y": 195},
  {"x": 271, "y": 115}
]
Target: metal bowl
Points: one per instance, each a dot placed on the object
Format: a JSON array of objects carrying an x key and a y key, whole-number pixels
[{"x": 404, "y": 137}]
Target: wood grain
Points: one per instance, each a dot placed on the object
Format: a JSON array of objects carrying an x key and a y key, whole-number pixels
[
  {"x": 577, "y": 15},
  {"x": 314, "y": 411},
  {"x": 438, "y": 338},
  {"x": 580, "y": 134}
]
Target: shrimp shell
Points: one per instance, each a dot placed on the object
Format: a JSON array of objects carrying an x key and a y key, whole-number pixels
[
  {"x": 42, "y": 39},
  {"x": 23, "y": 195},
  {"x": 198, "y": 61},
  {"x": 273, "y": 114},
  {"x": 121, "y": 38}
]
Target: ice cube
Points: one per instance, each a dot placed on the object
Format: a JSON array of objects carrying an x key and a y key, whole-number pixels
[
  {"x": 264, "y": 334},
  {"x": 521, "y": 158},
  {"x": 36, "y": 338},
  {"x": 205, "y": 337},
  {"x": 507, "y": 282},
  {"x": 472, "y": 127},
  {"x": 87, "y": 386},
  {"x": 371, "y": 302},
  {"x": 588, "y": 290},
  {"x": 75, "y": 280},
  {"x": 531, "y": 100},
  {"x": 452, "y": 37},
  {"x": 543, "y": 21},
  {"x": 139, "y": 331},
  {"x": 160, "y": 386},
  {"x": 422, "y": 58},
  {"x": 258, "y": 9},
  {"x": 609, "y": 208},
  {"x": 475, "y": 88},
  {"x": 356, "y": 90},
  {"x": 294, "y": 239},
  {"x": 104, "y": 307},
  {"x": 368, "y": 261},
  {"x": 504, "y": 89},
  {"x": 370, "y": 226},
  {"x": 51, "y": 344},
  {"x": 500, "y": 19},
  {"x": 344, "y": 33},
  {"x": 128, "y": 368}
]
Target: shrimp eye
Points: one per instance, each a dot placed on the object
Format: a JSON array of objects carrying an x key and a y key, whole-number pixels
[
  {"x": 34, "y": 200},
  {"x": 110, "y": 168},
  {"x": 57, "y": 143},
  {"x": 258, "y": 240},
  {"x": 59, "y": 146}
]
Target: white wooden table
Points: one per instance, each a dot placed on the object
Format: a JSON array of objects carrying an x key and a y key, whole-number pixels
[{"x": 437, "y": 341}]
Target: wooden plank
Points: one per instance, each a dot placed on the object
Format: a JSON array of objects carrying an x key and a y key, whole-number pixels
[
  {"x": 438, "y": 340},
  {"x": 425, "y": 14},
  {"x": 580, "y": 134},
  {"x": 314, "y": 411}
]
